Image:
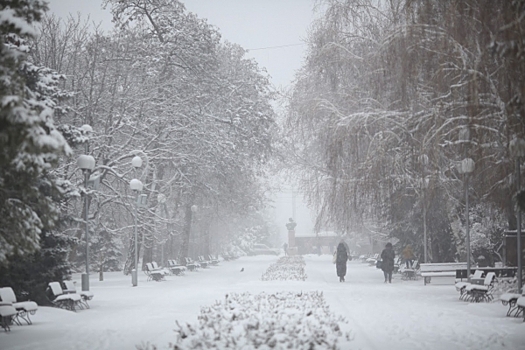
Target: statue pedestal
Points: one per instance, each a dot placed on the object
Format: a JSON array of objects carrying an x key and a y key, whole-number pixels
[
  {"x": 291, "y": 238},
  {"x": 293, "y": 251}
]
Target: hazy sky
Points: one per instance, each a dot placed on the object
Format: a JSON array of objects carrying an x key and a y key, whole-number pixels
[
  {"x": 261, "y": 26},
  {"x": 273, "y": 30}
]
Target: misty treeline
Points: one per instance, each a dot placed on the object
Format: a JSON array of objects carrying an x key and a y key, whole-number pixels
[
  {"x": 161, "y": 86},
  {"x": 393, "y": 95}
]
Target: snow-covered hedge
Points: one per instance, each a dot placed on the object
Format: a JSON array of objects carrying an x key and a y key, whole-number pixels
[
  {"x": 284, "y": 320},
  {"x": 286, "y": 268}
]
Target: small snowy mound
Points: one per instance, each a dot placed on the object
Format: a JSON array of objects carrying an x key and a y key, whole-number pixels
[
  {"x": 284, "y": 320},
  {"x": 286, "y": 268}
]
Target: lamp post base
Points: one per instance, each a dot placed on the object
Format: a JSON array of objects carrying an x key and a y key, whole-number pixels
[
  {"x": 85, "y": 282},
  {"x": 134, "y": 281}
]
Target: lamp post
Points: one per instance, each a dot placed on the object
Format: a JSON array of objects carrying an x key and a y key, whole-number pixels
[
  {"x": 517, "y": 150},
  {"x": 195, "y": 247},
  {"x": 423, "y": 159},
  {"x": 466, "y": 167},
  {"x": 136, "y": 186},
  {"x": 86, "y": 163},
  {"x": 161, "y": 198}
]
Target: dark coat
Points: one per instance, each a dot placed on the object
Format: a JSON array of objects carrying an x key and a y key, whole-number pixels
[
  {"x": 387, "y": 257},
  {"x": 340, "y": 260}
]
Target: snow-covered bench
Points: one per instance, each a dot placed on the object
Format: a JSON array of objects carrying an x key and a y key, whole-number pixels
[
  {"x": 62, "y": 300},
  {"x": 511, "y": 300},
  {"x": 461, "y": 285},
  {"x": 409, "y": 273},
  {"x": 191, "y": 265},
  {"x": 430, "y": 270},
  {"x": 176, "y": 268},
  {"x": 154, "y": 272},
  {"x": 7, "y": 315},
  {"x": 23, "y": 308},
  {"x": 69, "y": 288},
  {"x": 213, "y": 260},
  {"x": 204, "y": 263},
  {"x": 478, "y": 292}
]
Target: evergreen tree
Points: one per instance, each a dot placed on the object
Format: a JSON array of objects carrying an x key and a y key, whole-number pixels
[{"x": 30, "y": 145}]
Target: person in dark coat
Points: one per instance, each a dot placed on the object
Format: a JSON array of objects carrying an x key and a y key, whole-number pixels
[
  {"x": 387, "y": 264},
  {"x": 340, "y": 261}
]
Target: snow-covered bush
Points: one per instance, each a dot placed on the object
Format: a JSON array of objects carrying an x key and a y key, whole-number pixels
[
  {"x": 284, "y": 320},
  {"x": 286, "y": 268},
  {"x": 502, "y": 286}
]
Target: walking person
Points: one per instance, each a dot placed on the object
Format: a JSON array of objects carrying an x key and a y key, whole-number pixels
[
  {"x": 387, "y": 264},
  {"x": 340, "y": 261},
  {"x": 408, "y": 256},
  {"x": 285, "y": 248}
]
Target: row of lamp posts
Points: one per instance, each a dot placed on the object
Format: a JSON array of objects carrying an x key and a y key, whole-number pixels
[
  {"x": 87, "y": 163},
  {"x": 466, "y": 167}
]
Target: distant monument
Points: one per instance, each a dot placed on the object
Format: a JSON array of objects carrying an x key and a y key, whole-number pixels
[{"x": 290, "y": 225}]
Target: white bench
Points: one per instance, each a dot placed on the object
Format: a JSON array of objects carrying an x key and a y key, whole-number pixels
[
  {"x": 477, "y": 292},
  {"x": 23, "y": 308},
  {"x": 461, "y": 285},
  {"x": 7, "y": 315},
  {"x": 430, "y": 270},
  {"x": 176, "y": 268},
  {"x": 511, "y": 300},
  {"x": 154, "y": 272},
  {"x": 62, "y": 300},
  {"x": 69, "y": 288}
]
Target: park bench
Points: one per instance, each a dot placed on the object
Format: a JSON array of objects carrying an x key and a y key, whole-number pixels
[
  {"x": 69, "y": 288},
  {"x": 483, "y": 292},
  {"x": 7, "y": 315},
  {"x": 213, "y": 260},
  {"x": 62, "y": 300},
  {"x": 176, "y": 268},
  {"x": 461, "y": 285},
  {"x": 409, "y": 273},
  {"x": 204, "y": 263},
  {"x": 23, "y": 308},
  {"x": 511, "y": 300},
  {"x": 429, "y": 270},
  {"x": 154, "y": 272},
  {"x": 191, "y": 265}
]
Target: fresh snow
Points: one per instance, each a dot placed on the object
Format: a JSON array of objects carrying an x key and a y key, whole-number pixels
[{"x": 401, "y": 315}]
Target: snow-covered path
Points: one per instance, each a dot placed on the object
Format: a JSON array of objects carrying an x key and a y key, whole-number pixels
[
  {"x": 408, "y": 315},
  {"x": 401, "y": 315}
]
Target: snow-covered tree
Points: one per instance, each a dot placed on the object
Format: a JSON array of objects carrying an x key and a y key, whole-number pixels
[
  {"x": 30, "y": 145},
  {"x": 393, "y": 95},
  {"x": 162, "y": 86}
]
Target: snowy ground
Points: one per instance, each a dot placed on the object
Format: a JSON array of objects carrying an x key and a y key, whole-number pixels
[{"x": 401, "y": 315}]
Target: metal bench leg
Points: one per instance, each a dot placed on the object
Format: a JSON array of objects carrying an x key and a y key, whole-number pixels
[{"x": 24, "y": 316}]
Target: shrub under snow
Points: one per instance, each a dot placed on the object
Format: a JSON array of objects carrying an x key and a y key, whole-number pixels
[
  {"x": 284, "y": 320},
  {"x": 286, "y": 268}
]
